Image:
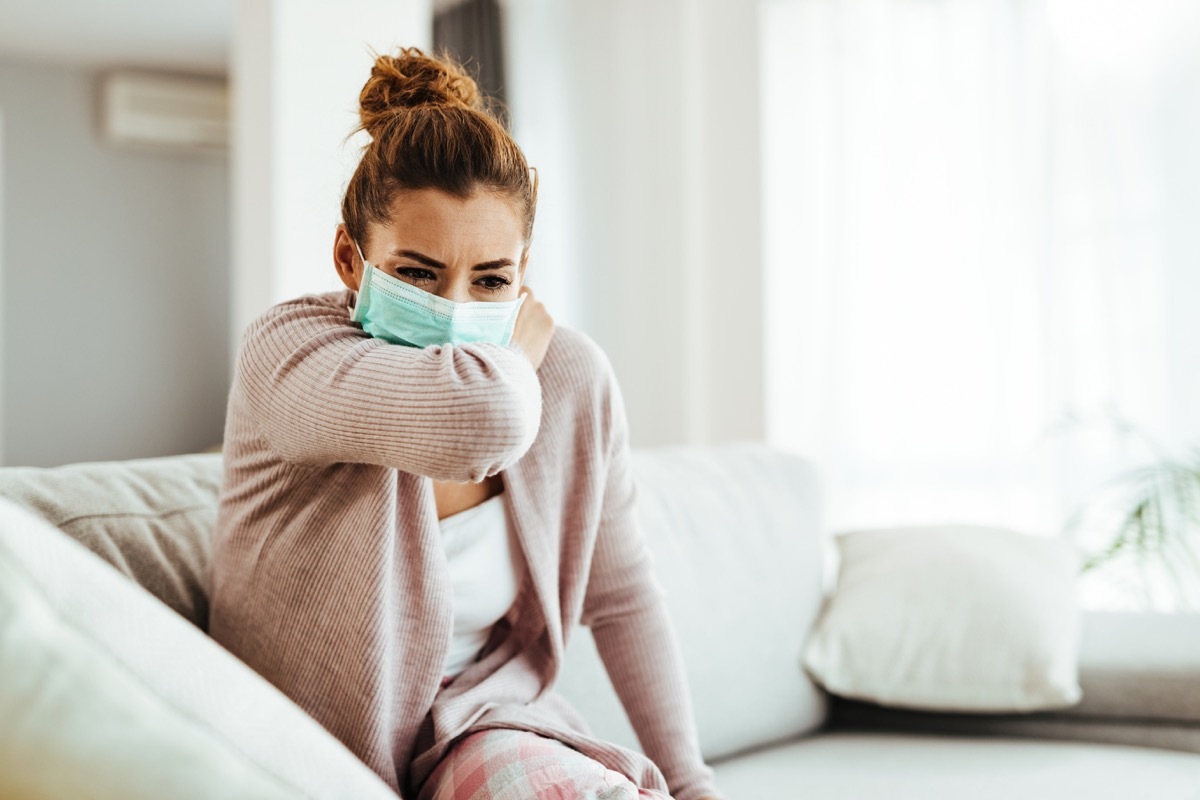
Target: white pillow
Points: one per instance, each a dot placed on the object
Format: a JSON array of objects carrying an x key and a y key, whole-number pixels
[{"x": 951, "y": 618}]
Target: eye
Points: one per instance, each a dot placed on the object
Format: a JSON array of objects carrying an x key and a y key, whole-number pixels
[
  {"x": 415, "y": 273},
  {"x": 493, "y": 283}
]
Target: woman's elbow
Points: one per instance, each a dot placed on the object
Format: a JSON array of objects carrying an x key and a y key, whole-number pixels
[{"x": 505, "y": 432}]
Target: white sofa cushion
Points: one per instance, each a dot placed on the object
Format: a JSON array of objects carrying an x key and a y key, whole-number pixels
[
  {"x": 905, "y": 766},
  {"x": 108, "y": 693},
  {"x": 951, "y": 618},
  {"x": 737, "y": 541},
  {"x": 735, "y": 529}
]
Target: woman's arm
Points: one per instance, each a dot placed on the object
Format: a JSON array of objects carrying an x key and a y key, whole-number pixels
[
  {"x": 624, "y": 608},
  {"x": 322, "y": 391}
]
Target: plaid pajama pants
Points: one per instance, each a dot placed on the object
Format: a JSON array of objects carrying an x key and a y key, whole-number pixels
[{"x": 506, "y": 764}]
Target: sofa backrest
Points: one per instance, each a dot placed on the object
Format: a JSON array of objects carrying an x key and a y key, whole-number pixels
[
  {"x": 737, "y": 539},
  {"x": 150, "y": 518},
  {"x": 735, "y": 531}
]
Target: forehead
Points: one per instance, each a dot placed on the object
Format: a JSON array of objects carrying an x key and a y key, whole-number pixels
[{"x": 434, "y": 219}]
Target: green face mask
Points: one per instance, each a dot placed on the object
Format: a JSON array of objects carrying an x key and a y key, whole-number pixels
[{"x": 398, "y": 312}]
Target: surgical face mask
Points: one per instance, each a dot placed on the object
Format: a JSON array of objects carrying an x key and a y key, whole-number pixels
[{"x": 398, "y": 312}]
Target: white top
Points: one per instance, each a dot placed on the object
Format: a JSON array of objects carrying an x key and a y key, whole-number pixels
[{"x": 479, "y": 546}]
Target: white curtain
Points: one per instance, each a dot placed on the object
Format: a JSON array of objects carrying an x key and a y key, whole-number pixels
[{"x": 981, "y": 249}]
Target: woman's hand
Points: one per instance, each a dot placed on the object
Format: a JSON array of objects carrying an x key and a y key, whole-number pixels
[{"x": 534, "y": 328}]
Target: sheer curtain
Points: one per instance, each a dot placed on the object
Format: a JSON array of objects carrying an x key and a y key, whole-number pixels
[{"x": 981, "y": 250}]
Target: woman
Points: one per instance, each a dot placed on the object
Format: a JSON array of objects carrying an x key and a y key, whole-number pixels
[{"x": 427, "y": 486}]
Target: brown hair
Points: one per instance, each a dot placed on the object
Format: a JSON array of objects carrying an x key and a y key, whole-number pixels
[{"x": 431, "y": 127}]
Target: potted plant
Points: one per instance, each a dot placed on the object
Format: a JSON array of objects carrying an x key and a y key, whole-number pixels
[{"x": 1147, "y": 524}]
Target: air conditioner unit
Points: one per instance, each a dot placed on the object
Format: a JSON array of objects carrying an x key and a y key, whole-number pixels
[{"x": 159, "y": 111}]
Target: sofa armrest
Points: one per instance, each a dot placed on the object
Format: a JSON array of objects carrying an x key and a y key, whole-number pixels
[
  {"x": 107, "y": 692},
  {"x": 1140, "y": 675},
  {"x": 1139, "y": 666}
]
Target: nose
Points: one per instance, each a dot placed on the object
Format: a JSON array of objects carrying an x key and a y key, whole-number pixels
[
  {"x": 458, "y": 291},
  {"x": 456, "y": 296}
]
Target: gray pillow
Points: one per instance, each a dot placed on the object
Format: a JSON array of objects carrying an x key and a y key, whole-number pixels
[{"x": 150, "y": 518}]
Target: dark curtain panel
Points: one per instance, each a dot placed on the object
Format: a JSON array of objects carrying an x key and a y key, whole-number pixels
[{"x": 472, "y": 32}]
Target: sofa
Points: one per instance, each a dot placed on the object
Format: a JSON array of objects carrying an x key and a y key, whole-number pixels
[{"x": 110, "y": 688}]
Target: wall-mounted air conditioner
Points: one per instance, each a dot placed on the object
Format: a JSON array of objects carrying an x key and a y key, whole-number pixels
[{"x": 165, "y": 112}]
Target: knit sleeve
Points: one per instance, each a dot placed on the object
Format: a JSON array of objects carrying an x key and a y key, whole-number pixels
[
  {"x": 624, "y": 608},
  {"x": 321, "y": 391}
]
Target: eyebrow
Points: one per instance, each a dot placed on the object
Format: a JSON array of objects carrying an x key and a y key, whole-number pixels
[{"x": 432, "y": 262}]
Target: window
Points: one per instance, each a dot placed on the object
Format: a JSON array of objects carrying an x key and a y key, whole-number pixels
[{"x": 982, "y": 262}]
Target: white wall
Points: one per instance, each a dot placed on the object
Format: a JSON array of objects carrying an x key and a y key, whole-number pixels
[
  {"x": 114, "y": 287},
  {"x": 646, "y": 133},
  {"x": 297, "y": 69}
]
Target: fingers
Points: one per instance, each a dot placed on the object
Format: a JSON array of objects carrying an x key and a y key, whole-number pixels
[{"x": 534, "y": 327}]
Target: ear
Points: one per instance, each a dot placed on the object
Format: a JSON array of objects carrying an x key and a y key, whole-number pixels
[{"x": 345, "y": 258}]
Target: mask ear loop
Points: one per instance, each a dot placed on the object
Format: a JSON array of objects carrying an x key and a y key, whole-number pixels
[{"x": 361, "y": 281}]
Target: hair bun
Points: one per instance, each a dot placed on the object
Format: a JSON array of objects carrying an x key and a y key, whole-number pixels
[{"x": 411, "y": 78}]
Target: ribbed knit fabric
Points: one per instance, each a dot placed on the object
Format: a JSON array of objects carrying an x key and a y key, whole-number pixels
[{"x": 329, "y": 578}]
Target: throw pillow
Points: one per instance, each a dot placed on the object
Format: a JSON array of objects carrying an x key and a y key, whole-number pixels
[
  {"x": 951, "y": 618},
  {"x": 151, "y": 518}
]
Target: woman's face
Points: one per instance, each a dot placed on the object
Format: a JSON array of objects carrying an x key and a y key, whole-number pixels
[{"x": 461, "y": 250}]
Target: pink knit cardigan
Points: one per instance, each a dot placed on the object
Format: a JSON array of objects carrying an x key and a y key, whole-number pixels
[{"x": 329, "y": 577}]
